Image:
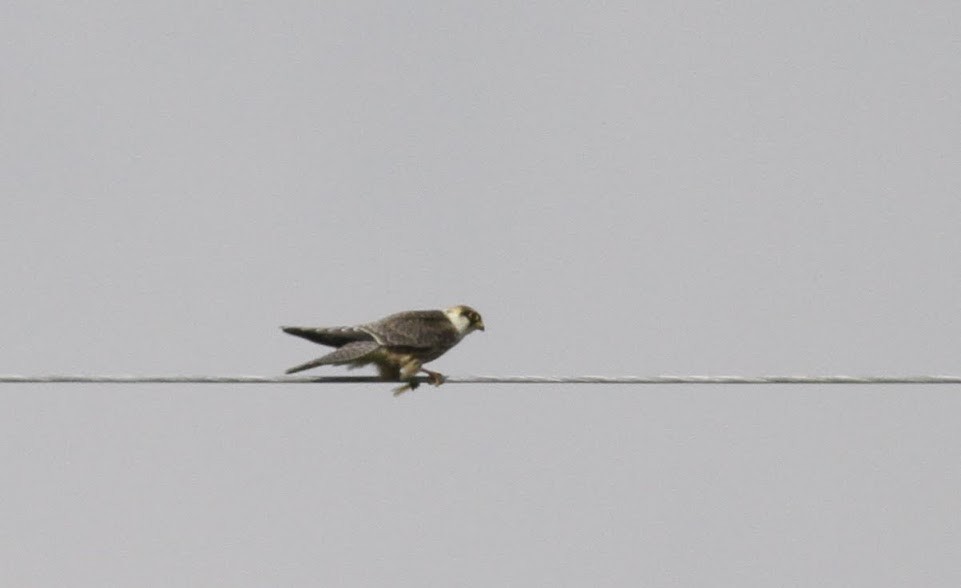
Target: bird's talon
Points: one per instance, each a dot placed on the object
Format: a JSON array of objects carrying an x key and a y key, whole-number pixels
[
  {"x": 434, "y": 378},
  {"x": 412, "y": 385}
]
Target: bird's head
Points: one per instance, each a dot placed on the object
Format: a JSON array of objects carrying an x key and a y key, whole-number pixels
[{"x": 465, "y": 319}]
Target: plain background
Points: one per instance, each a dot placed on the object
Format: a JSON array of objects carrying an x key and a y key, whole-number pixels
[{"x": 619, "y": 188}]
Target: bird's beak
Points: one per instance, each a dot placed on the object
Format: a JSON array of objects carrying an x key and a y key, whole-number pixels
[{"x": 480, "y": 326}]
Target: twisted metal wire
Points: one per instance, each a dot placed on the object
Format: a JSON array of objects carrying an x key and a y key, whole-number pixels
[{"x": 664, "y": 379}]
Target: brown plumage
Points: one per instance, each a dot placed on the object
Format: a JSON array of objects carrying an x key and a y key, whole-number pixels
[{"x": 398, "y": 345}]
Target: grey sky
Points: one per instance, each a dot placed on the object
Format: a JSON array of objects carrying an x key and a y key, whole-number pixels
[{"x": 681, "y": 188}]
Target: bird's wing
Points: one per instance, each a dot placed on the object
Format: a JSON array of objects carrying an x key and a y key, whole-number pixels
[
  {"x": 330, "y": 336},
  {"x": 347, "y": 354},
  {"x": 413, "y": 329}
]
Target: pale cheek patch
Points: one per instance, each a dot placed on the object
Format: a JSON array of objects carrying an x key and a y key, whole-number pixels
[{"x": 460, "y": 322}]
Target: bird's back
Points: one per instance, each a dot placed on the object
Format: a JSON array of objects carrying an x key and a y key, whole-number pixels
[{"x": 417, "y": 329}]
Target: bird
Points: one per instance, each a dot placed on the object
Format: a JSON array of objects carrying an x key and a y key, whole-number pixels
[{"x": 398, "y": 344}]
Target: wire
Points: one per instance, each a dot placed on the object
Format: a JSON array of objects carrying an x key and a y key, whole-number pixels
[{"x": 134, "y": 379}]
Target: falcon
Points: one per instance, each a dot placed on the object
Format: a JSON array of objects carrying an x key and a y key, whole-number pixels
[{"x": 398, "y": 344}]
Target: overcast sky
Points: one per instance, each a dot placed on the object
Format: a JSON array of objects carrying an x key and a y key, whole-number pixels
[{"x": 619, "y": 188}]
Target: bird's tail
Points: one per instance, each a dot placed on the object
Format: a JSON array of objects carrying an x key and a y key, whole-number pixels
[
  {"x": 306, "y": 366},
  {"x": 349, "y": 353},
  {"x": 330, "y": 336}
]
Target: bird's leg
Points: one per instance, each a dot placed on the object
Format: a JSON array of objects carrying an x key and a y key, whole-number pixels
[
  {"x": 407, "y": 373},
  {"x": 411, "y": 385},
  {"x": 435, "y": 378}
]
